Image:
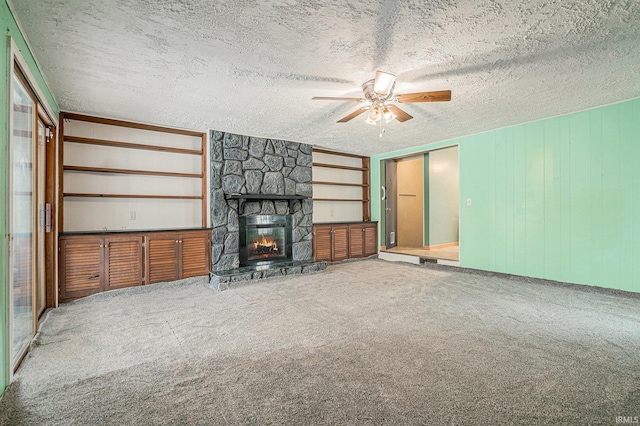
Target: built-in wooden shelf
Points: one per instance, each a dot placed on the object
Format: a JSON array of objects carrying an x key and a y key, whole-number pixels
[
  {"x": 168, "y": 197},
  {"x": 364, "y": 184},
  {"x": 185, "y": 146},
  {"x": 130, "y": 172},
  {"x": 129, "y": 145}
]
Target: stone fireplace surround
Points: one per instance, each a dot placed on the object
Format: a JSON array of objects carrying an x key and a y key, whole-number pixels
[{"x": 258, "y": 166}]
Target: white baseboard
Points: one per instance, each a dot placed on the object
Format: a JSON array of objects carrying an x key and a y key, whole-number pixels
[
  {"x": 397, "y": 257},
  {"x": 448, "y": 262}
]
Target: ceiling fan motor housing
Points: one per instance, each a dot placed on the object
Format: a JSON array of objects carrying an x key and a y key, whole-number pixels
[{"x": 371, "y": 95}]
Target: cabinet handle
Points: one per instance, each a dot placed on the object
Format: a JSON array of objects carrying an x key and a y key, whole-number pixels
[
  {"x": 101, "y": 245},
  {"x": 176, "y": 241}
]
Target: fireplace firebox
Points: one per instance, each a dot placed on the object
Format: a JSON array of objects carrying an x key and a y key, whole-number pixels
[{"x": 264, "y": 239}]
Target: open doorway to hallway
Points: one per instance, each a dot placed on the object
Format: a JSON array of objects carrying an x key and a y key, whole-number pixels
[{"x": 423, "y": 194}]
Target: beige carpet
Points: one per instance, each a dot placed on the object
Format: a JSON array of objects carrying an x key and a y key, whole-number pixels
[{"x": 366, "y": 342}]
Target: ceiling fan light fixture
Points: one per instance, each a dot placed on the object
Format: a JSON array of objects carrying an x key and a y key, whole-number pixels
[
  {"x": 374, "y": 115},
  {"x": 384, "y": 83},
  {"x": 388, "y": 115}
]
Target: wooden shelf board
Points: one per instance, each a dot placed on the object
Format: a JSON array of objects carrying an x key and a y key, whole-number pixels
[
  {"x": 338, "y": 166},
  {"x": 130, "y": 171},
  {"x": 359, "y": 200},
  {"x": 172, "y": 197},
  {"x": 317, "y": 182},
  {"x": 116, "y": 144}
]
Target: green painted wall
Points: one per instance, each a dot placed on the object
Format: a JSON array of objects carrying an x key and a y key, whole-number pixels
[
  {"x": 556, "y": 199},
  {"x": 10, "y": 28}
]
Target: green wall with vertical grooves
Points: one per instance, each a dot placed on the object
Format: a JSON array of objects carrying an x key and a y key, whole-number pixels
[
  {"x": 9, "y": 28},
  {"x": 557, "y": 199}
]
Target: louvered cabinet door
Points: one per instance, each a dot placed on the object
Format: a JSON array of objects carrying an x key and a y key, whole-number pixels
[
  {"x": 322, "y": 243},
  {"x": 370, "y": 231},
  {"x": 340, "y": 242},
  {"x": 194, "y": 254},
  {"x": 81, "y": 268},
  {"x": 356, "y": 240},
  {"x": 124, "y": 262},
  {"x": 162, "y": 258}
]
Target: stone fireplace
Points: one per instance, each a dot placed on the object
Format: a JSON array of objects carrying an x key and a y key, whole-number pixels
[{"x": 253, "y": 178}]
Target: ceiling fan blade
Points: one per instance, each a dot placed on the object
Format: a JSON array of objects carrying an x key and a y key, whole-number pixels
[
  {"x": 441, "y": 96},
  {"x": 383, "y": 83},
  {"x": 331, "y": 98},
  {"x": 354, "y": 114},
  {"x": 401, "y": 116}
]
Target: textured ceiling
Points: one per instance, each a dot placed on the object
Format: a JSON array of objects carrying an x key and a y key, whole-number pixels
[{"x": 252, "y": 67}]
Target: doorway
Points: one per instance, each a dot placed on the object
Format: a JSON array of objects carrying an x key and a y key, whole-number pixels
[{"x": 422, "y": 204}]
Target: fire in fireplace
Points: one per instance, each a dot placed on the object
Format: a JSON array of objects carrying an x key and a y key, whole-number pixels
[{"x": 264, "y": 239}]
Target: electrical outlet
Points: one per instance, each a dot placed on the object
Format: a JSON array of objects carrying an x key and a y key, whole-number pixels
[
  {"x": 132, "y": 215},
  {"x": 468, "y": 201}
]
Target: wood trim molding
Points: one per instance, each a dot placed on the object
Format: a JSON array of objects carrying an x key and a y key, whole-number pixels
[
  {"x": 337, "y": 153},
  {"x": 133, "y": 125},
  {"x": 205, "y": 181}
]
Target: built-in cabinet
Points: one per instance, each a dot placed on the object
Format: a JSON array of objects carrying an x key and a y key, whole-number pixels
[
  {"x": 92, "y": 263},
  {"x": 362, "y": 239},
  {"x": 173, "y": 256},
  {"x": 340, "y": 241}
]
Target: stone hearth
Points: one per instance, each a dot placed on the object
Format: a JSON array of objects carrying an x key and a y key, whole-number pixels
[{"x": 258, "y": 166}]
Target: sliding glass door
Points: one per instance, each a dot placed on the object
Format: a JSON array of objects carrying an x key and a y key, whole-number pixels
[
  {"x": 22, "y": 218},
  {"x": 40, "y": 219}
]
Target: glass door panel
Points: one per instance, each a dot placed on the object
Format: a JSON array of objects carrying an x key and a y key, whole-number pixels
[
  {"x": 40, "y": 161},
  {"x": 22, "y": 219}
]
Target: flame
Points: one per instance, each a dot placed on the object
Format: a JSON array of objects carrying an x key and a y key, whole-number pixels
[{"x": 265, "y": 243}]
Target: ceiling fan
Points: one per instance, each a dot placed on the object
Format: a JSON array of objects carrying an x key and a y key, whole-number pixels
[{"x": 381, "y": 101}]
